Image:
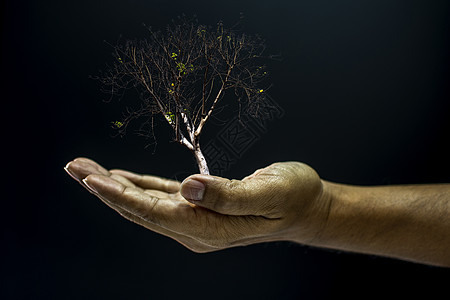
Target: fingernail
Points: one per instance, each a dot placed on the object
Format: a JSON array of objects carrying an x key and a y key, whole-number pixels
[
  {"x": 193, "y": 190},
  {"x": 66, "y": 168},
  {"x": 90, "y": 188}
]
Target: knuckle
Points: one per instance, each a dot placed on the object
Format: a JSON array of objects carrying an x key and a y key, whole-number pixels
[
  {"x": 148, "y": 212},
  {"x": 233, "y": 185},
  {"x": 227, "y": 195},
  {"x": 142, "y": 206}
]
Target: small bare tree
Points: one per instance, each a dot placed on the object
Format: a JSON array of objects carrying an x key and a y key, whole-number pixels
[{"x": 183, "y": 73}]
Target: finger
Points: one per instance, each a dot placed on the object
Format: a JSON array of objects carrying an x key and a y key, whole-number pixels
[
  {"x": 252, "y": 196},
  {"x": 81, "y": 167},
  {"x": 123, "y": 180},
  {"x": 150, "y": 182},
  {"x": 188, "y": 242},
  {"x": 153, "y": 209},
  {"x": 94, "y": 163},
  {"x": 180, "y": 218}
]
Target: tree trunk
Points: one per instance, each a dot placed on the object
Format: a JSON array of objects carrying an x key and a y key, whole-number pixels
[{"x": 201, "y": 161}]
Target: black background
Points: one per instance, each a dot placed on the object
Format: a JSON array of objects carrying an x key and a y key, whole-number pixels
[{"x": 365, "y": 89}]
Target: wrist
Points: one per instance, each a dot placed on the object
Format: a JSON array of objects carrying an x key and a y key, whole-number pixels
[
  {"x": 362, "y": 219},
  {"x": 330, "y": 198},
  {"x": 312, "y": 220}
]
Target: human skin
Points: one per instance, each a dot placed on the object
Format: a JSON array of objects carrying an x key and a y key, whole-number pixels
[{"x": 285, "y": 201}]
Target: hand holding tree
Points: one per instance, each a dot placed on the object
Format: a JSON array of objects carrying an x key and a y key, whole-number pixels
[
  {"x": 264, "y": 206},
  {"x": 282, "y": 202}
]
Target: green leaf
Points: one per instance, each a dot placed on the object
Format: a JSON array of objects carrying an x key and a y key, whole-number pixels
[{"x": 117, "y": 124}]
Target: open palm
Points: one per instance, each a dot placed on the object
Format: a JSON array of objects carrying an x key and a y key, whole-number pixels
[{"x": 156, "y": 203}]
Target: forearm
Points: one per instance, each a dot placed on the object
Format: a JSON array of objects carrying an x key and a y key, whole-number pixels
[{"x": 407, "y": 222}]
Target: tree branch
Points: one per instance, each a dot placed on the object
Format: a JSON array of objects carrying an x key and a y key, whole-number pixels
[{"x": 198, "y": 131}]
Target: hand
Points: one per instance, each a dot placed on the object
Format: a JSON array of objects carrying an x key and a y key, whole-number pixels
[{"x": 283, "y": 201}]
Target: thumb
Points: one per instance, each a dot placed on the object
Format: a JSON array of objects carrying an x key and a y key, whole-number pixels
[{"x": 230, "y": 197}]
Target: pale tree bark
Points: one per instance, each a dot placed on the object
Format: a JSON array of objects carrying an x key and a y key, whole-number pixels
[{"x": 201, "y": 161}]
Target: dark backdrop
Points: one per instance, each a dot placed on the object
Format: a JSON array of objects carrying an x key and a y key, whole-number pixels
[{"x": 365, "y": 90}]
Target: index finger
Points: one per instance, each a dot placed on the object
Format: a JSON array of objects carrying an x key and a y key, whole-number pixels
[{"x": 157, "y": 210}]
